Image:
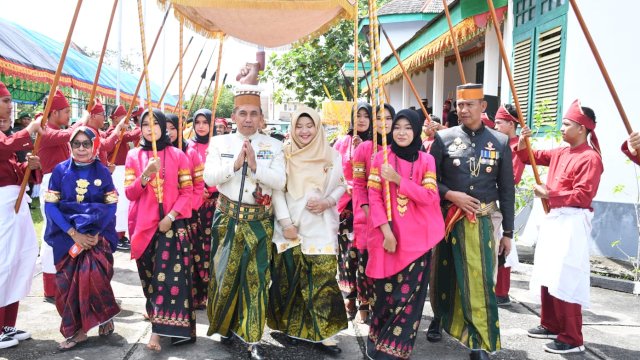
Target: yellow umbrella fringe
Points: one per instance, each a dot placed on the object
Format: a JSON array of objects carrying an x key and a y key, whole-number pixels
[{"x": 346, "y": 5}]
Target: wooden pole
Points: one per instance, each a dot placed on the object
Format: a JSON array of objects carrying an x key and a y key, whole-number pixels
[
  {"x": 603, "y": 69},
  {"x": 180, "y": 89},
  {"x": 373, "y": 86},
  {"x": 378, "y": 63},
  {"x": 354, "y": 92},
  {"x": 184, "y": 89},
  {"x": 455, "y": 43},
  {"x": 158, "y": 184},
  {"x": 104, "y": 50},
  {"x": 47, "y": 108},
  {"x": 407, "y": 77},
  {"x": 366, "y": 78},
  {"x": 507, "y": 68},
  {"x": 202, "y": 77},
  {"x": 135, "y": 93},
  {"x": 216, "y": 90},
  {"x": 166, "y": 88}
]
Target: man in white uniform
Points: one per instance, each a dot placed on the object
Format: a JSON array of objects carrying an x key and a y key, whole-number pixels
[{"x": 241, "y": 240}]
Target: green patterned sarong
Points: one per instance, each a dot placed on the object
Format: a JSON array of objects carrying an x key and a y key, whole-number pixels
[
  {"x": 463, "y": 289},
  {"x": 239, "y": 277},
  {"x": 305, "y": 301}
]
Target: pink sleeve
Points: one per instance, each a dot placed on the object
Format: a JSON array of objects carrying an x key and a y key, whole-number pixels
[
  {"x": 360, "y": 195},
  {"x": 132, "y": 183},
  {"x": 377, "y": 210},
  {"x": 185, "y": 189},
  {"x": 425, "y": 193},
  {"x": 197, "y": 167}
]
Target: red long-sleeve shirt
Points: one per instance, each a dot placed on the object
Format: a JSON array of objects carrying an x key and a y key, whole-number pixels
[
  {"x": 54, "y": 146},
  {"x": 625, "y": 150},
  {"x": 574, "y": 174},
  {"x": 518, "y": 165},
  {"x": 11, "y": 172},
  {"x": 129, "y": 136}
]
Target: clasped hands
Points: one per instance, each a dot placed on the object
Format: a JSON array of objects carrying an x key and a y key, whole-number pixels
[{"x": 246, "y": 153}]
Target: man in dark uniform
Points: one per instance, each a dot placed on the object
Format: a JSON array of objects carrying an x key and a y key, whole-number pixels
[{"x": 475, "y": 173}]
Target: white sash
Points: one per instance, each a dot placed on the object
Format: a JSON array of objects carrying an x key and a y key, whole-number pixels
[
  {"x": 46, "y": 251},
  {"x": 18, "y": 247},
  {"x": 561, "y": 261}
]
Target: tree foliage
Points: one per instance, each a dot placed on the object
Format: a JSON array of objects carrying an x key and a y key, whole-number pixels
[{"x": 300, "y": 73}]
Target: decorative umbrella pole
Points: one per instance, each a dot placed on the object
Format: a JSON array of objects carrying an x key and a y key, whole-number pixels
[
  {"x": 157, "y": 182},
  {"x": 166, "y": 88},
  {"x": 100, "y": 61},
  {"x": 354, "y": 92},
  {"x": 135, "y": 93},
  {"x": 194, "y": 65},
  {"x": 507, "y": 69},
  {"x": 180, "y": 89},
  {"x": 202, "y": 77},
  {"x": 47, "y": 108},
  {"x": 455, "y": 42},
  {"x": 373, "y": 23},
  {"x": 216, "y": 90}
]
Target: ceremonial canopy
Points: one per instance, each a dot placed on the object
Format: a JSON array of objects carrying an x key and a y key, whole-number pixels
[{"x": 269, "y": 23}]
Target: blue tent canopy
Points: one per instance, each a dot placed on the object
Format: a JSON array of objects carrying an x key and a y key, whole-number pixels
[{"x": 23, "y": 50}]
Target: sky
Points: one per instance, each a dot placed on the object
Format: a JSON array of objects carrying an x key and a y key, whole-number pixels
[{"x": 53, "y": 17}]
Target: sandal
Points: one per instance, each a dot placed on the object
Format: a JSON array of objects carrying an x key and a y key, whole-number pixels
[
  {"x": 154, "y": 345},
  {"x": 71, "y": 343},
  {"x": 363, "y": 310},
  {"x": 350, "y": 307},
  {"x": 106, "y": 329}
]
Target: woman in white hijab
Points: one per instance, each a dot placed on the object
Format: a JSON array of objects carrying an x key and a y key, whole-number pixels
[{"x": 305, "y": 301}]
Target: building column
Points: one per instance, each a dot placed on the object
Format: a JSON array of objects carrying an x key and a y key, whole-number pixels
[
  {"x": 438, "y": 85},
  {"x": 491, "y": 62},
  {"x": 406, "y": 93}
]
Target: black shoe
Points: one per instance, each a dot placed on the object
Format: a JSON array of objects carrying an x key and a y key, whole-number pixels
[
  {"x": 540, "y": 332},
  {"x": 293, "y": 341},
  {"x": 434, "y": 333},
  {"x": 256, "y": 353},
  {"x": 478, "y": 355},
  {"x": 226, "y": 340},
  {"x": 503, "y": 300},
  {"x": 331, "y": 350},
  {"x": 124, "y": 244},
  {"x": 50, "y": 299},
  {"x": 558, "y": 347},
  {"x": 175, "y": 341}
]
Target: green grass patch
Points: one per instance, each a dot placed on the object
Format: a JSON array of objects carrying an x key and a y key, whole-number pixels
[{"x": 36, "y": 216}]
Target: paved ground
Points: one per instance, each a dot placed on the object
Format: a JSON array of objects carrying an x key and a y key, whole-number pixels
[{"x": 611, "y": 330}]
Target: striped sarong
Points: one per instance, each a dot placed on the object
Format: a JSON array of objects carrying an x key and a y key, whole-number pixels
[
  {"x": 304, "y": 298},
  {"x": 84, "y": 297},
  {"x": 463, "y": 294},
  {"x": 237, "y": 300}
]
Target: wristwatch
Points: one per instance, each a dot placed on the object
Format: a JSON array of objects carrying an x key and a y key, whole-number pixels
[
  {"x": 173, "y": 218},
  {"x": 508, "y": 234},
  {"x": 145, "y": 177}
]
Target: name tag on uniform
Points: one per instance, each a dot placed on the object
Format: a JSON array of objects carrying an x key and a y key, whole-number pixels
[
  {"x": 264, "y": 154},
  {"x": 230, "y": 156}
]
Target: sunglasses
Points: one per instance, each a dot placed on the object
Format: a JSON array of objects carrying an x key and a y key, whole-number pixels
[{"x": 85, "y": 144}]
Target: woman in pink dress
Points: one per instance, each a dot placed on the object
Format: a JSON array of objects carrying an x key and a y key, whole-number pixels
[
  {"x": 347, "y": 252},
  {"x": 159, "y": 240},
  {"x": 399, "y": 250},
  {"x": 362, "y": 223},
  {"x": 196, "y": 233}
]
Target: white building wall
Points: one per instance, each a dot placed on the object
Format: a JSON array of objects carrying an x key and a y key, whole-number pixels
[
  {"x": 507, "y": 37},
  {"x": 583, "y": 80},
  {"x": 399, "y": 34}
]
